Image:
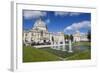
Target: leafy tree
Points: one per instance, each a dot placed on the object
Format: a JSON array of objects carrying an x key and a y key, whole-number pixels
[
  {"x": 66, "y": 37},
  {"x": 89, "y": 36},
  {"x": 52, "y": 38},
  {"x": 71, "y": 37}
]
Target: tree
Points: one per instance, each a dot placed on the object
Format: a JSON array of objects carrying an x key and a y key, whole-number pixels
[
  {"x": 71, "y": 37},
  {"x": 52, "y": 38},
  {"x": 66, "y": 37},
  {"x": 89, "y": 36}
]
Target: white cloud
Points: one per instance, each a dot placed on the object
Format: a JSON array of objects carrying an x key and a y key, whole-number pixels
[
  {"x": 33, "y": 14},
  {"x": 67, "y": 13},
  {"x": 74, "y": 13},
  {"x": 61, "y": 13},
  {"x": 69, "y": 28},
  {"x": 47, "y": 21},
  {"x": 78, "y": 26}
]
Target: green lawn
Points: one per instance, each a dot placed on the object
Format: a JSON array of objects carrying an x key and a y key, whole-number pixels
[
  {"x": 80, "y": 56},
  {"x": 31, "y": 54},
  {"x": 82, "y": 43},
  {"x": 86, "y": 54}
]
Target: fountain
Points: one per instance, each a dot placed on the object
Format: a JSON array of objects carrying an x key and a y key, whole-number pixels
[
  {"x": 70, "y": 47},
  {"x": 63, "y": 48}
]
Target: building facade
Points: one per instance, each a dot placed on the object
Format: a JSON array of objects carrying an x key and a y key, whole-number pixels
[
  {"x": 39, "y": 34},
  {"x": 77, "y": 37}
]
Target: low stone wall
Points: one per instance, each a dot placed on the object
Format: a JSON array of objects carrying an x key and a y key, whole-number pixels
[{"x": 41, "y": 46}]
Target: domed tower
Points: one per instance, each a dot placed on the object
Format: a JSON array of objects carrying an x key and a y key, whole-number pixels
[{"x": 40, "y": 25}]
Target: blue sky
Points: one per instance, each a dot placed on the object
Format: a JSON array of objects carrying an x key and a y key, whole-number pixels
[{"x": 56, "y": 21}]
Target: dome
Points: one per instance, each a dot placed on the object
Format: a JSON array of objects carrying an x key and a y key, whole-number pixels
[{"x": 39, "y": 23}]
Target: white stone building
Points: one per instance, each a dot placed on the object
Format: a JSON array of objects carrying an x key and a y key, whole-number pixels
[
  {"x": 40, "y": 34},
  {"x": 77, "y": 37}
]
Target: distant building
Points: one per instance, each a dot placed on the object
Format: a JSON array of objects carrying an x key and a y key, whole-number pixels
[
  {"x": 80, "y": 37},
  {"x": 39, "y": 34}
]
